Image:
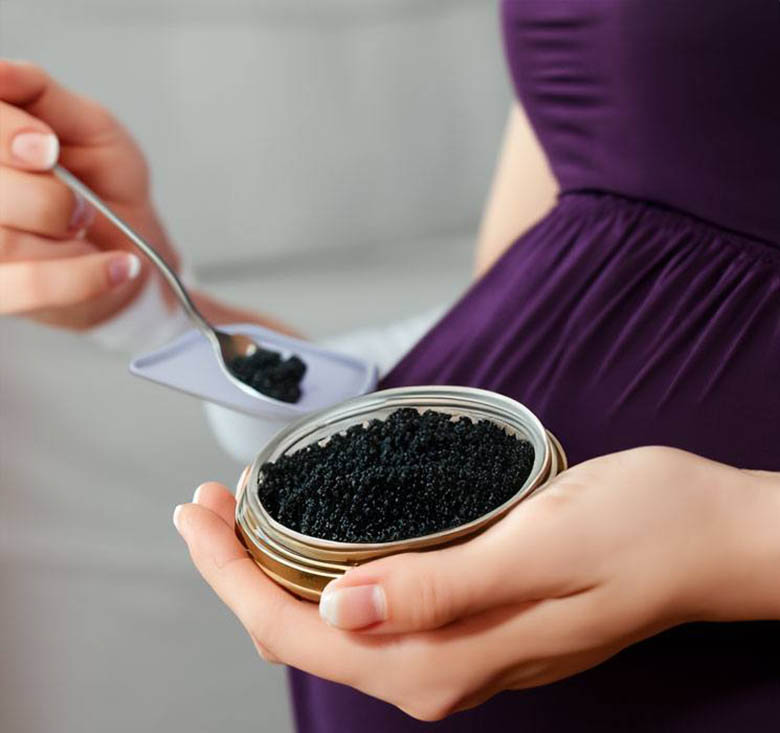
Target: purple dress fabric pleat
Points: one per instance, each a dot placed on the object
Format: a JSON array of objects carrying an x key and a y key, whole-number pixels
[{"x": 643, "y": 309}]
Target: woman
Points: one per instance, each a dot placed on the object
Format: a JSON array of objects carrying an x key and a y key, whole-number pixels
[{"x": 643, "y": 309}]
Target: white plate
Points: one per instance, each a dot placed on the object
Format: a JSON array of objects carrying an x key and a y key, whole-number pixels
[{"x": 189, "y": 365}]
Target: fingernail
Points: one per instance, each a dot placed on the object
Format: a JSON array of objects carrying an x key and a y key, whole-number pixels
[
  {"x": 353, "y": 608},
  {"x": 123, "y": 268},
  {"x": 83, "y": 214},
  {"x": 37, "y": 149},
  {"x": 196, "y": 495},
  {"x": 176, "y": 514}
]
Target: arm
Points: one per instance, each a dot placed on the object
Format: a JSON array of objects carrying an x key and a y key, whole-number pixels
[
  {"x": 622, "y": 547},
  {"x": 523, "y": 190}
]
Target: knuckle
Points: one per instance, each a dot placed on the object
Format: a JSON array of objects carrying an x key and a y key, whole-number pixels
[
  {"x": 263, "y": 628},
  {"x": 6, "y": 184},
  {"x": 431, "y": 707},
  {"x": 35, "y": 203},
  {"x": 100, "y": 118},
  {"x": 56, "y": 207},
  {"x": 426, "y": 689},
  {"x": 95, "y": 109},
  {"x": 9, "y": 70},
  {"x": 34, "y": 284},
  {"x": 263, "y": 651},
  {"x": 9, "y": 243},
  {"x": 416, "y": 682},
  {"x": 433, "y": 603}
]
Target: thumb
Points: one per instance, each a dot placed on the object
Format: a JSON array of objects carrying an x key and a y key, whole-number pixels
[
  {"x": 408, "y": 592},
  {"x": 519, "y": 560},
  {"x": 415, "y": 591}
]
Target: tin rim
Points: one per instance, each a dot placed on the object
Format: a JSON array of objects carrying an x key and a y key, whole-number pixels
[{"x": 475, "y": 403}]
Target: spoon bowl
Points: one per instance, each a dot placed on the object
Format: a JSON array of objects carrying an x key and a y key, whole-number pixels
[
  {"x": 226, "y": 346},
  {"x": 233, "y": 345},
  {"x": 229, "y": 347}
]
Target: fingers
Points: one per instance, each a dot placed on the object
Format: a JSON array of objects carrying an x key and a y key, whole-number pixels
[
  {"x": 92, "y": 144},
  {"x": 523, "y": 558},
  {"x": 26, "y": 142},
  {"x": 16, "y": 246},
  {"x": 422, "y": 673},
  {"x": 282, "y": 626},
  {"x": 220, "y": 558},
  {"x": 412, "y": 592},
  {"x": 30, "y": 201},
  {"x": 41, "y": 204},
  {"x": 72, "y": 117},
  {"x": 32, "y": 285},
  {"x": 285, "y": 628},
  {"x": 216, "y": 498}
]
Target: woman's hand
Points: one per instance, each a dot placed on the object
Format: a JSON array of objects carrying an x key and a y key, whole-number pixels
[
  {"x": 613, "y": 551},
  {"x": 58, "y": 263}
]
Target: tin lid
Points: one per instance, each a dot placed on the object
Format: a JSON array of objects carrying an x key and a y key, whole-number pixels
[{"x": 189, "y": 365}]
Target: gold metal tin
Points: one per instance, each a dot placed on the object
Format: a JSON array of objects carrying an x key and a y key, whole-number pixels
[{"x": 305, "y": 565}]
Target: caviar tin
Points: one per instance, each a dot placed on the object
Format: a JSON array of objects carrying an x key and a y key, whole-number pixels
[{"x": 304, "y": 565}]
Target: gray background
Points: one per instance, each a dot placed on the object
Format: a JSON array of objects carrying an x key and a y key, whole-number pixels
[{"x": 325, "y": 161}]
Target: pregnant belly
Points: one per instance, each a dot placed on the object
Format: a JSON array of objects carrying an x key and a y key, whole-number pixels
[{"x": 621, "y": 324}]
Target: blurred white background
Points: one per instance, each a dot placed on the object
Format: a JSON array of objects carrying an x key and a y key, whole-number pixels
[{"x": 322, "y": 160}]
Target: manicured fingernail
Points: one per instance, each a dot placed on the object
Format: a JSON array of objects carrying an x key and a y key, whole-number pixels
[
  {"x": 83, "y": 214},
  {"x": 123, "y": 268},
  {"x": 37, "y": 149},
  {"x": 353, "y": 608},
  {"x": 176, "y": 513}
]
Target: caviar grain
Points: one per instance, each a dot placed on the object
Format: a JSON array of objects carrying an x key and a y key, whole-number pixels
[
  {"x": 406, "y": 476},
  {"x": 267, "y": 372}
]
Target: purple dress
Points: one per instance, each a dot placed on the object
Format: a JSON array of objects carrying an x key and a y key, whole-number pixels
[{"x": 644, "y": 309}]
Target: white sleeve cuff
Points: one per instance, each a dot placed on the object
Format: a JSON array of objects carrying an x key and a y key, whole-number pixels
[{"x": 385, "y": 345}]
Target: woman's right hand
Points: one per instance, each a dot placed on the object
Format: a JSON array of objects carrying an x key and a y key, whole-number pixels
[{"x": 58, "y": 262}]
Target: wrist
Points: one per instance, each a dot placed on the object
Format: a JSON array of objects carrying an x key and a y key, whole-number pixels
[
  {"x": 747, "y": 573},
  {"x": 762, "y": 563}
]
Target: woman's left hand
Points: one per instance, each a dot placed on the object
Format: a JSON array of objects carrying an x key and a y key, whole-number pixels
[{"x": 612, "y": 551}]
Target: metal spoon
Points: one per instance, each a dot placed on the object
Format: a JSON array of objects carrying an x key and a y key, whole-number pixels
[{"x": 227, "y": 346}]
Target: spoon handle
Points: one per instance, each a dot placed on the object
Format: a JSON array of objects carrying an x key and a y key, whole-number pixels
[{"x": 173, "y": 280}]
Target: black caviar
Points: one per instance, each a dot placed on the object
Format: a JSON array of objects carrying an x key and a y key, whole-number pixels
[
  {"x": 409, "y": 475},
  {"x": 267, "y": 372}
]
